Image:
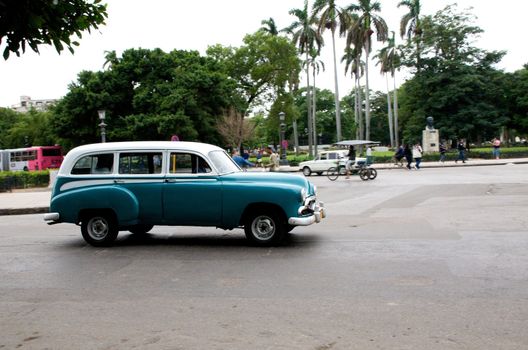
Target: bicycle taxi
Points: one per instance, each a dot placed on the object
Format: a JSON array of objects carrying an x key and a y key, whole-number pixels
[{"x": 361, "y": 167}]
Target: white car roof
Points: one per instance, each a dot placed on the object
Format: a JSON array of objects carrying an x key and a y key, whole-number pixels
[{"x": 75, "y": 153}]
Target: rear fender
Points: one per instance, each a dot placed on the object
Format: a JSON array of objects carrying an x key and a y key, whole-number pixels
[{"x": 121, "y": 201}]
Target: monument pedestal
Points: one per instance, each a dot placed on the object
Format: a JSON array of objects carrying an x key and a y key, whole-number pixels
[{"x": 430, "y": 140}]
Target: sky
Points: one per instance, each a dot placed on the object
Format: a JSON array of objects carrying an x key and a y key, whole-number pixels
[{"x": 197, "y": 24}]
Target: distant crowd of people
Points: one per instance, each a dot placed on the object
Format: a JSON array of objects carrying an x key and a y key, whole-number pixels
[
  {"x": 414, "y": 153},
  {"x": 244, "y": 163}
]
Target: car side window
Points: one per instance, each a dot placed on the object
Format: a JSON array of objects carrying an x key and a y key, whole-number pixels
[
  {"x": 324, "y": 156},
  {"x": 140, "y": 163},
  {"x": 332, "y": 156},
  {"x": 186, "y": 163},
  {"x": 94, "y": 164}
]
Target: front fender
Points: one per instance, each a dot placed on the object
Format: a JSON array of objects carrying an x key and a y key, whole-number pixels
[{"x": 123, "y": 202}]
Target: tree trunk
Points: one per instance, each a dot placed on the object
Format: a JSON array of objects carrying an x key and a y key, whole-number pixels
[
  {"x": 314, "y": 116},
  {"x": 360, "y": 110},
  {"x": 337, "y": 106},
  {"x": 395, "y": 101},
  {"x": 389, "y": 111},
  {"x": 308, "y": 108},
  {"x": 367, "y": 93}
]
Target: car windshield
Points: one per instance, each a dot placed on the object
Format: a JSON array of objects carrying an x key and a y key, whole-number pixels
[{"x": 223, "y": 162}]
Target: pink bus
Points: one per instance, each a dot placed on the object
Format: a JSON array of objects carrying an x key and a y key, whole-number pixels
[{"x": 31, "y": 158}]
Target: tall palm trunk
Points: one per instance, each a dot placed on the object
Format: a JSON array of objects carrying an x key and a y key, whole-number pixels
[
  {"x": 356, "y": 108},
  {"x": 395, "y": 100},
  {"x": 360, "y": 108},
  {"x": 314, "y": 115},
  {"x": 308, "y": 108},
  {"x": 337, "y": 106},
  {"x": 389, "y": 111},
  {"x": 367, "y": 93}
]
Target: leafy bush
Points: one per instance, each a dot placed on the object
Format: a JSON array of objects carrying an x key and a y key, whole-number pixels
[{"x": 23, "y": 179}]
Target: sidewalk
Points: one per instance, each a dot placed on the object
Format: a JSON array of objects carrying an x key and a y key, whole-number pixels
[{"x": 35, "y": 201}]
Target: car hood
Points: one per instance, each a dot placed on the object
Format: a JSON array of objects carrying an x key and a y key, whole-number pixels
[{"x": 281, "y": 179}]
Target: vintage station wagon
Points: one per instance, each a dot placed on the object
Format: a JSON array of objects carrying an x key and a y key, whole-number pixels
[{"x": 133, "y": 186}]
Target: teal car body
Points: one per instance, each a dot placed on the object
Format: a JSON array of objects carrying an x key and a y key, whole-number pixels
[{"x": 135, "y": 185}]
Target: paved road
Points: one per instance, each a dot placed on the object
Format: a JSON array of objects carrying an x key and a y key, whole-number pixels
[{"x": 430, "y": 259}]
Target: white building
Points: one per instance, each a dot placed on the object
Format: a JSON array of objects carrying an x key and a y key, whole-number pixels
[{"x": 26, "y": 103}]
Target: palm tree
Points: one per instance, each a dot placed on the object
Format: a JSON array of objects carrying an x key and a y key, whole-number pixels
[
  {"x": 330, "y": 16},
  {"x": 269, "y": 26},
  {"x": 316, "y": 65},
  {"x": 410, "y": 25},
  {"x": 305, "y": 38},
  {"x": 389, "y": 59},
  {"x": 110, "y": 59},
  {"x": 367, "y": 20},
  {"x": 352, "y": 59}
]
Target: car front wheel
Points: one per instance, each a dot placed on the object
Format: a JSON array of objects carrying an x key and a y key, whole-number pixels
[
  {"x": 307, "y": 171},
  {"x": 264, "y": 228},
  {"x": 99, "y": 229}
]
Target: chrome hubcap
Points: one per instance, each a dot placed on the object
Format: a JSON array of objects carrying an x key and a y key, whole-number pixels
[
  {"x": 97, "y": 228},
  {"x": 263, "y": 228}
]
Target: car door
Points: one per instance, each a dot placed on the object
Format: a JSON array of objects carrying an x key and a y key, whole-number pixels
[
  {"x": 192, "y": 193},
  {"x": 140, "y": 172}
]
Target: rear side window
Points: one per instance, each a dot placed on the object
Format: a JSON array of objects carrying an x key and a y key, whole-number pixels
[
  {"x": 94, "y": 164},
  {"x": 140, "y": 163},
  {"x": 186, "y": 163}
]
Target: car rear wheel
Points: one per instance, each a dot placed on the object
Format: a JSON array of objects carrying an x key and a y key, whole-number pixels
[
  {"x": 264, "y": 228},
  {"x": 306, "y": 171},
  {"x": 99, "y": 229}
]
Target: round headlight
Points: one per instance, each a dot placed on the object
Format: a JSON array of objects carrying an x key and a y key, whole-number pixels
[{"x": 303, "y": 194}]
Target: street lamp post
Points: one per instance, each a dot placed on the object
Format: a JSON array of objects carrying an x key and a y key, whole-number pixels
[
  {"x": 102, "y": 125},
  {"x": 283, "y": 159}
]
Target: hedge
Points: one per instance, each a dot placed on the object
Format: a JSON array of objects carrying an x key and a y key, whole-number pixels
[{"x": 23, "y": 179}]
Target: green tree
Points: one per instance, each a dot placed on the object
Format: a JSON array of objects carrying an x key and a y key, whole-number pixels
[
  {"x": 147, "y": 95},
  {"x": 457, "y": 84},
  {"x": 367, "y": 22},
  {"x": 515, "y": 86},
  {"x": 410, "y": 26},
  {"x": 307, "y": 39},
  {"x": 8, "y": 118},
  {"x": 269, "y": 26},
  {"x": 331, "y": 17},
  {"x": 38, "y": 22},
  {"x": 31, "y": 127}
]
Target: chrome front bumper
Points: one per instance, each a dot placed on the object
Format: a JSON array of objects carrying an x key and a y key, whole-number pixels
[{"x": 318, "y": 213}]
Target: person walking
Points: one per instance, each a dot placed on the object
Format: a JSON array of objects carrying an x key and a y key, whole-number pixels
[
  {"x": 369, "y": 155},
  {"x": 496, "y": 147},
  {"x": 350, "y": 162},
  {"x": 443, "y": 150},
  {"x": 274, "y": 160},
  {"x": 398, "y": 156},
  {"x": 241, "y": 161},
  {"x": 408, "y": 155},
  {"x": 417, "y": 155},
  {"x": 461, "y": 147}
]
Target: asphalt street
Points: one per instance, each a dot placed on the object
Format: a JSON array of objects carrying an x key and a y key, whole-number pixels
[{"x": 429, "y": 259}]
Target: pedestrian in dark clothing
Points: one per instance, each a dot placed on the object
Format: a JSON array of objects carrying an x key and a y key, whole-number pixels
[
  {"x": 443, "y": 150},
  {"x": 461, "y": 147},
  {"x": 408, "y": 155}
]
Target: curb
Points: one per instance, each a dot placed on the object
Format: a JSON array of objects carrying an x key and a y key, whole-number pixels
[{"x": 24, "y": 211}]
